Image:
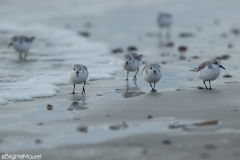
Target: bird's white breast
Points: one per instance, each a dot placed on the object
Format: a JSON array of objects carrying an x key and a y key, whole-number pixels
[
  {"x": 22, "y": 47},
  {"x": 132, "y": 66},
  {"x": 82, "y": 76},
  {"x": 151, "y": 77},
  {"x": 209, "y": 74}
]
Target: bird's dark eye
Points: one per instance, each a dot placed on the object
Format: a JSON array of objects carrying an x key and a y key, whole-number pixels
[
  {"x": 150, "y": 67},
  {"x": 74, "y": 69}
]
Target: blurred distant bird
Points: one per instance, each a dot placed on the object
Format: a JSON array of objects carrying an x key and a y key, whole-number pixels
[
  {"x": 152, "y": 73},
  {"x": 164, "y": 20},
  {"x": 131, "y": 62},
  {"x": 22, "y": 45},
  {"x": 209, "y": 71},
  {"x": 78, "y": 74}
]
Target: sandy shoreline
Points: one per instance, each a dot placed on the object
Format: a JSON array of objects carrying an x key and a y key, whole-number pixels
[
  {"x": 91, "y": 127},
  {"x": 214, "y": 142}
]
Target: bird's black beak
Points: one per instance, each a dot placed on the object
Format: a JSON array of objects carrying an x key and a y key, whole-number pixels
[
  {"x": 10, "y": 44},
  {"x": 126, "y": 64},
  {"x": 221, "y": 67},
  {"x": 155, "y": 72},
  {"x": 77, "y": 73}
]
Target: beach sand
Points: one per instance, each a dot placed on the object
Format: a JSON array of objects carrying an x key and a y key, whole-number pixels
[
  {"x": 117, "y": 119},
  {"x": 220, "y": 141}
]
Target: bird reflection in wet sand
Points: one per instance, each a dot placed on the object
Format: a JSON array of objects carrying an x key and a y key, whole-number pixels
[
  {"x": 130, "y": 91},
  {"x": 77, "y": 106},
  {"x": 164, "y": 22}
]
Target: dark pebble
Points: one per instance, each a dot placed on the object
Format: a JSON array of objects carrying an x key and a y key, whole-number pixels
[
  {"x": 166, "y": 142},
  {"x": 83, "y": 129},
  {"x": 38, "y": 141},
  {"x": 169, "y": 44},
  {"x": 132, "y": 48},
  {"x": 84, "y": 34},
  {"x": 182, "y": 48},
  {"x": 199, "y": 87},
  {"x": 230, "y": 46},
  {"x": 185, "y": 34},
  {"x": 210, "y": 146},
  {"x": 149, "y": 117},
  {"x": 76, "y": 119},
  {"x": 40, "y": 123},
  {"x": 235, "y": 31},
  {"x": 227, "y": 76},
  {"x": 108, "y": 115},
  {"x": 115, "y": 127},
  {"x": 49, "y": 107},
  {"x": 69, "y": 109},
  {"x": 182, "y": 57},
  {"x": 117, "y": 50},
  {"x": 195, "y": 57},
  {"x": 163, "y": 62},
  {"x": 223, "y": 57},
  {"x": 178, "y": 90}
]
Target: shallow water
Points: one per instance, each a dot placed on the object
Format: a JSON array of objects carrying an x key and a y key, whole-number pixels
[
  {"x": 58, "y": 45},
  {"x": 111, "y": 24}
]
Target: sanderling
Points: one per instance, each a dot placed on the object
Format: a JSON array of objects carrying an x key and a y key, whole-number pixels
[
  {"x": 209, "y": 71},
  {"x": 131, "y": 62},
  {"x": 22, "y": 45},
  {"x": 164, "y": 20},
  {"x": 152, "y": 73},
  {"x": 78, "y": 74}
]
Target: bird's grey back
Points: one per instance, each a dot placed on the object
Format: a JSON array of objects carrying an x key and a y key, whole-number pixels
[
  {"x": 150, "y": 65},
  {"x": 80, "y": 66},
  {"x": 136, "y": 56},
  {"x": 23, "y": 38},
  {"x": 204, "y": 64}
]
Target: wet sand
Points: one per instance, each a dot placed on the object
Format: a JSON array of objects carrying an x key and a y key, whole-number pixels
[
  {"x": 91, "y": 126},
  {"x": 186, "y": 106}
]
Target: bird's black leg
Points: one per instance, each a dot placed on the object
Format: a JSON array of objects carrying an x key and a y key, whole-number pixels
[
  {"x": 83, "y": 90},
  {"x": 25, "y": 56},
  {"x": 135, "y": 76},
  {"x": 127, "y": 75},
  {"x": 205, "y": 85},
  {"x": 20, "y": 56},
  {"x": 152, "y": 88},
  {"x": 73, "y": 89},
  {"x": 210, "y": 85}
]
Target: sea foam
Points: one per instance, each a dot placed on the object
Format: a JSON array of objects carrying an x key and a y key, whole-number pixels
[{"x": 53, "y": 53}]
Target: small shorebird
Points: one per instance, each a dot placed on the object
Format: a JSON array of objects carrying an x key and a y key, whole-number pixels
[
  {"x": 152, "y": 73},
  {"x": 209, "y": 71},
  {"x": 22, "y": 45},
  {"x": 164, "y": 20},
  {"x": 131, "y": 62},
  {"x": 78, "y": 74}
]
